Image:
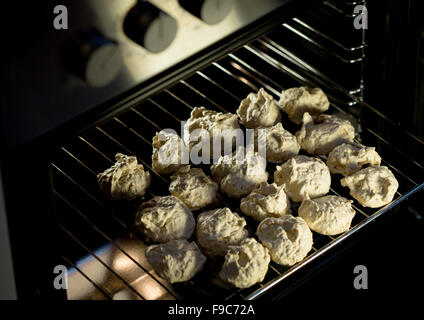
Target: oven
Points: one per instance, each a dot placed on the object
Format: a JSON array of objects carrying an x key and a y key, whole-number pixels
[{"x": 81, "y": 85}]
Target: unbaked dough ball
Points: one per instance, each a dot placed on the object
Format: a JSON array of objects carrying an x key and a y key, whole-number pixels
[
  {"x": 166, "y": 157},
  {"x": 219, "y": 126},
  {"x": 165, "y": 218},
  {"x": 328, "y": 215},
  {"x": 126, "y": 179},
  {"x": 288, "y": 239},
  {"x": 176, "y": 260},
  {"x": 349, "y": 158},
  {"x": 245, "y": 264},
  {"x": 296, "y": 101},
  {"x": 303, "y": 178},
  {"x": 259, "y": 110},
  {"x": 323, "y": 134},
  {"x": 240, "y": 172},
  {"x": 373, "y": 187},
  {"x": 193, "y": 187},
  {"x": 267, "y": 200},
  {"x": 217, "y": 229},
  {"x": 280, "y": 144}
]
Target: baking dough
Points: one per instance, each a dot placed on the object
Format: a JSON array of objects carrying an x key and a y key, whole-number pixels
[
  {"x": 267, "y": 200},
  {"x": 166, "y": 157},
  {"x": 329, "y": 215},
  {"x": 288, "y": 239},
  {"x": 240, "y": 172},
  {"x": 280, "y": 144},
  {"x": 349, "y": 158},
  {"x": 296, "y": 101},
  {"x": 323, "y": 134},
  {"x": 303, "y": 178},
  {"x": 126, "y": 179},
  {"x": 216, "y": 124},
  {"x": 259, "y": 110},
  {"x": 193, "y": 187},
  {"x": 165, "y": 218},
  {"x": 373, "y": 187},
  {"x": 245, "y": 264},
  {"x": 217, "y": 229},
  {"x": 176, "y": 260}
]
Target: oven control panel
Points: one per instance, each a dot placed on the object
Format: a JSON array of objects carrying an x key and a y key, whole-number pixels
[{"x": 109, "y": 47}]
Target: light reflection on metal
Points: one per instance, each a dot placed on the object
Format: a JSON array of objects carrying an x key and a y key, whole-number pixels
[{"x": 126, "y": 266}]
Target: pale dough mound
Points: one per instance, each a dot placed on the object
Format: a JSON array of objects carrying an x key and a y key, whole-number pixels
[
  {"x": 218, "y": 229},
  {"x": 288, "y": 239},
  {"x": 245, "y": 264},
  {"x": 349, "y": 158},
  {"x": 259, "y": 110},
  {"x": 267, "y": 200},
  {"x": 166, "y": 157},
  {"x": 176, "y": 260},
  {"x": 329, "y": 215},
  {"x": 373, "y": 187},
  {"x": 323, "y": 134},
  {"x": 240, "y": 172},
  {"x": 126, "y": 179},
  {"x": 303, "y": 177},
  {"x": 296, "y": 101},
  {"x": 280, "y": 144},
  {"x": 165, "y": 218},
  {"x": 193, "y": 187},
  {"x": 219, "y": 126}
]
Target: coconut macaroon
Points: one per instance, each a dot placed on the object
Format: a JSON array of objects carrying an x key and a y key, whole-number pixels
[
  {"x": 259, "y": 110},
  {"x": 288, "y": 239},
  {"x": 165, "y": 218},
  {"x": 218, "y": 229},
  {"x": 267, "y": 200},
  {"x": 280, "y": 144},
  {"x": 373, "y": 187},
  {"x": 245, "y": 264},
  {"x": 240, "y": 172},
  {"x": 303, "y": 178},
  {"x": 176, "y": 260},
  {"x": 323, "y": 134},
  {"x": 328, "y": 215},
  {"x": 167, "y": 149},
  {"x": 126, "y": 179},
  {"x": 349, "y": 158},
  {"x": 296, "y": 101},
  {"x": 219, "y": 127},
  {"x": 193, "y": 187}
]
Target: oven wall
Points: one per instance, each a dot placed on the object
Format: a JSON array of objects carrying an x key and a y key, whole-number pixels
[{"x": 394, "y": 81}]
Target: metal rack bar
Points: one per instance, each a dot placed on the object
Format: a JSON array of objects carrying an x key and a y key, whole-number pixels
[
  {"x": 305, "y": 37},
  {"x": 128, "y": 285},
  {"x": 330, "y": 245},
  {"x": 99, "y": 288},
  {"x": 325, "y": 36},
  {"x": 98, "y": 230}
]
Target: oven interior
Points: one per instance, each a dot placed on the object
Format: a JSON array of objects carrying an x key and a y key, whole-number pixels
[
  {"x": 103, "y": 249},
  {"x": 95, "y": 237}
]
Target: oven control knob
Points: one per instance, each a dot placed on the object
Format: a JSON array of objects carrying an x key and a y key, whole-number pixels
[
  {"x": 150, "y": 27},
  {"x": 93, "y": 57},
  {"x": 210, "y": 11}
]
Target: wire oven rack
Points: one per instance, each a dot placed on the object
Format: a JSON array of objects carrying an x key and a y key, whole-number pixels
[{"x": 102, "y": 247}]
